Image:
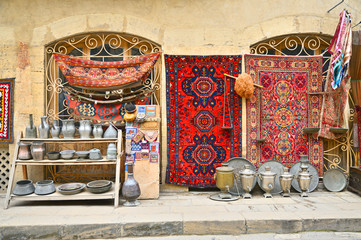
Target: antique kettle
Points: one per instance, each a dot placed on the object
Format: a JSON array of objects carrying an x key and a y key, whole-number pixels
[
  {"x": 247, "y": 177},
  {"x": 286, "y": 181},
  {"x": 304, "y": 180},
  {"x": 267, "y": 181},
  {"x": 224, "y": 177}
]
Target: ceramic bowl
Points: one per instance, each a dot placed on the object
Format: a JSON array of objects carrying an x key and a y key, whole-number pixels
[
  {"x": 44, "y": 187},
  {"x": 82, "y": 154},
  {"x": 53, "y": 155},
  {"x": 67, "y": 154},
  {"x": 23, "y": 187}
]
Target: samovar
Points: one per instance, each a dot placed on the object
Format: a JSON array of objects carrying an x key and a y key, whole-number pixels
[
  {"x": 267, "y": 181},
  {"x": 224, "y": 181},
  {"x": 247, "y": 178},
  {"x": 286, "y": 181},
  {"x": 304, "y": 180}
]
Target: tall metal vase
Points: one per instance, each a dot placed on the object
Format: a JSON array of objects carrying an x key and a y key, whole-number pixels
[
  {"x": 131, "y": 189},
  {"x": 55, "y": 129},
  {"x": 85, "y": 129},
  {"x": 31, "y": 131},
  {"x": 68, "y": 129},
  {"x": 44, "y": 128}
]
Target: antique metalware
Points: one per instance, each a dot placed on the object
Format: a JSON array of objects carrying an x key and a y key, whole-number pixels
[
  {"x": 98, "y": 131},
  {"x": 111, "y": 152},
  {"x": 285, "y": 182},
  {"x": 67, "y": 154},
  {"x": 38, "y": 150},
  {"x": 304, "y": 180},
  {"x": 295, "y": 169},
  {"x": 267, "y": 179},
  {"x": 247, "y": 179},
  {"x": 71, "y": 188},
  {"x": 111, "y": 132},
  {"x": 85, "y": 128},
  {"x": 55, "y": 129},
  {"x": 82, "y": 154},
  {"x": 238, "y": 164},
  {"x": 31, "y": 130},
  {"x": 277, "y": 168},
  {"x": 44, "y": 187},
  {"x": 224, "y": 177},
  {"x": 24, "y": 151},
  {"x": 23, "y": 187},
  {"x": 131, "y": 189},
  {"x": 334, "y": 180},
  {"x": 68, "y": 129},
  {"x": 95, "y": 154},
  {"x": 53, "y": 155},
  {"x": 99, "y": 186},
  {"x": 44, "y": 128}
]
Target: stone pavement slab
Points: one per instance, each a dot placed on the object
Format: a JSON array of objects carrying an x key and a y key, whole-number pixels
[{"x": 180, "y": 214}]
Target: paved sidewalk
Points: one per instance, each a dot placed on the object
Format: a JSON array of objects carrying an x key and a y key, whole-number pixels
[{"x": 191, "y": 213}]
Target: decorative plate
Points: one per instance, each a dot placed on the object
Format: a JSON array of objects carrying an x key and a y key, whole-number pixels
[
  {"x": 277, "y": 168},
  {"x": 334, "y": 180},
  {"x": 238, "y": 164},
  {"x": 296, "y": 168}
]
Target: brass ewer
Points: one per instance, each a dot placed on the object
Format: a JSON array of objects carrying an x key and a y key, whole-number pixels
[
  {"x": 224, "y": 181},
  {"x": 267, "y": 181},
  {"x": 304, "y": 179},
  {"x": 247, "y": 178},
  {"x": 286, "y": 181}
]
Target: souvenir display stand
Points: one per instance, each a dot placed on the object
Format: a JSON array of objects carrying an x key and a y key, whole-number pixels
[{"x": 63, "y": 144}]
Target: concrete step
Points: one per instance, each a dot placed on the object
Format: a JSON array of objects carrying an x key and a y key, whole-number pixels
[{"x": 181, "y": 214}]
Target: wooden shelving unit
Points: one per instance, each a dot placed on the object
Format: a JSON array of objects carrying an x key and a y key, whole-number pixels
[{"x": 85, "y": 195}]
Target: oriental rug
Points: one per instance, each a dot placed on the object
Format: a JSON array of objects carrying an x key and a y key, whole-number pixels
[
  {"x": 6, "y": 109},
  {"x": 197, "y": 143},
  {"x": 98, "y": 113},
  {"x": 97, "y": 75},
  {"x": 277, "y": 114}
]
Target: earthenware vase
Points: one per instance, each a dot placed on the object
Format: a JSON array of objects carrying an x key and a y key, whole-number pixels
[
  {"x": 85, "y": 129},
  {"x": 44, "y": 128},
  {"x": 131, "y": 189},
  {"x": 31, "y": 131},
  {"x": 55, "y": 129}
]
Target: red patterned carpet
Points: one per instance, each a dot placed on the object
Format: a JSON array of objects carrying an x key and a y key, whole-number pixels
[
  {"x": 283, "y": 109},
  {"x": 197, "y": 144}
]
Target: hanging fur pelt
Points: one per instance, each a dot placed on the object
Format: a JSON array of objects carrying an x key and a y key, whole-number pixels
[{"x": 244, "y": 86}]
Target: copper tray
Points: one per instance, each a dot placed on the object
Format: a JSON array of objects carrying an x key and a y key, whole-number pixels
[
  {"x": 238, "y": 164},
  {"x": 295, "y": 169},
  {"x": 277, "y": 168}
]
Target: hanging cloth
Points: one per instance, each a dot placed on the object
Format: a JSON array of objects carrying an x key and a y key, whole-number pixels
[{"x": 340, "y": 49}]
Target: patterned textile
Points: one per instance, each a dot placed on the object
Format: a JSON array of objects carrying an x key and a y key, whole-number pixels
[
  {"x": 101, "y": 113},
  {"x": 197, "y": 144},
  {"x": 281, "y": 111},
  {"x": 98, "y": 75},
  {"x": 6, "y": 109}
]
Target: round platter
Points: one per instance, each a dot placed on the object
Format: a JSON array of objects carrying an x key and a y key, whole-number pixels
[
  {"x": 71, "y": 188},
  {"x": 277, "y": 168},
  {"x": 334, "y": 180},
  {"x": 296, "y": 168},
  {"x": 238, "y": 164}
]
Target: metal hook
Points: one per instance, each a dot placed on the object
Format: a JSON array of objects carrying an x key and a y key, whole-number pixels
[{"x": 335, "y": 6}]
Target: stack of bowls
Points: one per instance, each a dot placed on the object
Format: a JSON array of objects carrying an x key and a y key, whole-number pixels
[{"x": 99, "y": 186}]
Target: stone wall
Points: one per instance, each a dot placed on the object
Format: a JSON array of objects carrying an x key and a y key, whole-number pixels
[{"x": 179, "y": 26}]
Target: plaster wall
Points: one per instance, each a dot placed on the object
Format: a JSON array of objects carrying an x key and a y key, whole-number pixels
[{"x": 201, "y": 27}]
